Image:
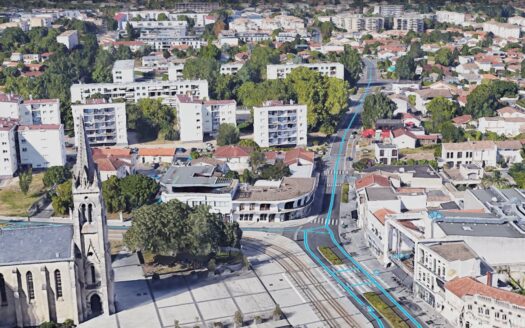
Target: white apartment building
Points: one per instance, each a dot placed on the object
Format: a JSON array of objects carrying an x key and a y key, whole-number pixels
[
  {"x": 197, "y": 117},
  {"x": 155, "y": 61},
  {"x": 436, "y": 263},
  {"x": 450, "y": 17},
  {"x": 160, "y": 41},
  {"x": 356, "y": 23},
  {"x": 43, "y": 111},
  {"x": 277, "y": 124},
  {"x": 504, "y": 126},
  {"x": 137, "y": 90},
  {"x": 517, "y": 20},
  {"x": 230, "y": 68},
  {"x": 173, "y": 27},
  {"x": 483, "y": 153},
  {"x": 41, "y": 146},
  {"x": 32, "y": 111},
  {"x": 388, "y": 10},
  {"x": 8, "y": 157},
  {"x": 175, "y": 72},
  {"x": 69, "y": 39},
  {"x": 409, "y": 23},
  {"x": 104, "y": 122},
  {"x": 280, "y": 71},
  {"x": 503, "y": 30},
  {"x": 123, "y": 71}
]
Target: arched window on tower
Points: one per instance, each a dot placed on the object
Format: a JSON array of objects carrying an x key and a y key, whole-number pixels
[
  {"x": 58, "y": 284},
  {"x": 3, "y": 294},
  {"x": 30, "y": 287},
  {"x": 82, "y": 213},
  {"x": 90, "y": 213}
]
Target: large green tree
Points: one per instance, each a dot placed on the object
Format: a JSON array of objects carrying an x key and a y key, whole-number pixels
[
  {"x": 62, "y": 200},
  {"x": 351, "y": 60},
  {"x": 56, "y": 175},
  {"x": 481, "y": 102},
  {"x": 441, "y": 111},
  {"x": 376, "y": 106},
  {"x": 228, "y": 134},
  {"x": 406, "y": 67},
  {"x": 444, "y": 57}
]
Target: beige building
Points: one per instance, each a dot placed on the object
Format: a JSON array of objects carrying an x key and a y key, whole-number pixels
[{"x": 51, "y": 272}]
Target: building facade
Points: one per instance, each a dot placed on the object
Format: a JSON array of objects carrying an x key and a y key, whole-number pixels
[
  {"x": 277, "y": 124},
  {"x": 280, "y": 71},
  {"x": 8, "y": 156},
  {"x": 105, "y": 122},
  {"x": 41, "y": 146},
  {"x": 69, "y": 39}
]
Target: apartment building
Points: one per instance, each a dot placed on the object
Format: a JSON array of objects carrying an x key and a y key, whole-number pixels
[
  {"x": 123, "y": 71},
  {"x": 134, "y": 91},
  {"x": 175, "y": 28},
  {"x": 474, "y": 303},
  {"x": 175, "y": 72},
  {"x": 483, "y": 153},
  {"x": 43, "y": 111},
  {"x": 230, "y": 68},
  {"x": 357, "y": 23},
  {"x": 104, "y": 122},
  {"x": 197, "y": 117},
  {"x": 280, "y": 71},
  {"x": 504, "y": 126},
  {"x": 409, "y": 23},
  {"x": 503, "y": 30},
  {"x": 450, "y": 17},
  {"x": 68, "y": 38},
  {"x": 388, "y": 10},
  {"x": 436, "y": 263},
  {"x": 277, "y": 124},
  {"x": 161, "y": 40},
  {"x": 8, "y": 156},
  {"x": 41, "y": 146}
]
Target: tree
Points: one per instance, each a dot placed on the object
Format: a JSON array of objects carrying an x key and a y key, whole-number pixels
[
  {"x": 210, "y": 51},
  {"x": 228, "y": 134},
  {"x": 202, "y": 68},
  {"x": 406, "y": 67},
  {"x": 24, "y": 180},
  {"x": 441, "y": 111},
  {"x": 249, "y": 143},
  {"x": 351, "y": 60},
  {"x": 62, "y": 200},
  {"x": 494, "y": 179},
  {"x": 112, "y": 195},
  {"x": 501, "y": 88},
  {"x": 257, "y": 159},
  {"x": 56, "y": 175},
  {"x": 103, "y": 65},
  {"x": 517, "y": 172},
  {"x": 275, "y": 172},
  {"x": 523, "y": 69},
  {"x": 255, "y": 68},
  {"x": 131, "y": 33},
  {"x": 451, "y": 133},
  {"x": 481, "y": 102},
  {"x": 138, "y": 190},
  {"x": 376, "y": 106},
  {"x": 444, "y": 57},
  {"x": 162, "y": 17},
  {"x": 415, "y": 50}
]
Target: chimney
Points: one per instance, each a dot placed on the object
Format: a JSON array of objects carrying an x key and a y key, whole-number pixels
[{"x": 489, "y": 278}]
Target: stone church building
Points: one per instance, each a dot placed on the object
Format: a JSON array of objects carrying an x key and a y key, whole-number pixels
[{"x": 54, "y": 272}]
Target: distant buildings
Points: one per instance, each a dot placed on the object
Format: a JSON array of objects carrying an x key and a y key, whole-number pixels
[
  {"x": 503, "y": 30},
  {"x": 388, "y": 10},
  {"x": 133, "y": 91},
  {"x": 8, "y": 147},
  {"x": 31, "y": 111},
  {"x": 357, "y": 23},
  {"x": 41, "y": 146},
  {"x": 280, "y": 71},
  {"x": 104, "y": 122},
  {"x": 450, "y": 17},
  {"x": 409, "y": 22},
  {"x": 278, "y": 124},
  {"x": 69, "y": 39}
]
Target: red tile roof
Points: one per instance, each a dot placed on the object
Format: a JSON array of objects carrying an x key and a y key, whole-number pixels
[
  {"x": 372, "y": 179},
  {"x": 462, "y": 119},
  {"x": 399, "y": 132},
  {"x": 231, "y": 151},
  {"x": 118, "y": 152},
  {"x": 294, "y": 155},
  {"x": 110, "y": 163},
  {"x": 381, "y": 214},
  {"x": 40, "y": 101},
  {"x": 156, "y": 151},
  {"x": 470, "y": 286},
  {"x": 40, "y": 127}
]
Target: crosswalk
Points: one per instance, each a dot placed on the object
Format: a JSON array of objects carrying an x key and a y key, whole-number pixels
[
  {"x": 338, "y": 184},
  {"x": 339, "y": 172},
  {"x": 353, "y": 279},
  {"x": 321, "y": 220}
]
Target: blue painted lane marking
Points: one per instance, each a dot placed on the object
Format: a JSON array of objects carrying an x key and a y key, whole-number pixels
[{"x": 336, "y": 243}]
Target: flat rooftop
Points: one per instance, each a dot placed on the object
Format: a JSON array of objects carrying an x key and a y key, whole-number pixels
[
  {"x": 453, "y": 251},
  {"x": 193, "y": 176},
  {"x": 124, "y": 64},
  {"x": 287, "y": 188},
  {"x": 418, "y": 171},
  {"x": 378, "y": 194}
]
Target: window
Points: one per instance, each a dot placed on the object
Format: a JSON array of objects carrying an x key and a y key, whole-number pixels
[
  {"x": 93, "y": 274},
  {"x": 496, "y": 315},
  {"x": 469, "y": 306},
  {"x": 30, "y": 287},
  {"x": 58, "y": 284},
  {"x": 504, "y": 316},
  {"x": 3, "y": 295}
]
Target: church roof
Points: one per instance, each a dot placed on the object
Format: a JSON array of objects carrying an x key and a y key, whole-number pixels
[
  {"x": 35, "y": 243},
  {"x": 84, "y": 172}
]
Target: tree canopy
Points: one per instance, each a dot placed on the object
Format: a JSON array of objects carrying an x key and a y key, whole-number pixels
[
  {"x": 406, "y": 67},
  {"x": 351, "y": 60},
  {"x": 56, "y": 175},
  {"x": 228, "y": 134},
  {"x": 441, "y": 111},
  {"x": 376, "y": 106},
  {"x": 128, "y": 193}
]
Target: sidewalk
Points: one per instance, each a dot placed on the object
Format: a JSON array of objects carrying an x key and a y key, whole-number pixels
[{"x": 285, "y": 224}]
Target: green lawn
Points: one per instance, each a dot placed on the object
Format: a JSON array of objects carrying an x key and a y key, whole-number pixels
[
  {"x": 329, "y": 255},
  {"x": 385, "y": 311},
  {"x": 14, "y": 203}
]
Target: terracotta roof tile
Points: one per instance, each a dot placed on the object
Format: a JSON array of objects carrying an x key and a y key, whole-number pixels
[
  {"x": 470, "y": 286},
  {"x": 381, "y": 214},
  {"x": 294, "y": 155},
  {"x": 231, "y": 151},
  {"x": 156, "y": 151},
  {"x": 372, "y": 179}
]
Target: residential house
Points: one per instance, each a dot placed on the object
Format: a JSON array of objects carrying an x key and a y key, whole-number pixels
[
  {"x": 386, "y": 153},
  {"x": 237, "y": 158},
  {"x": 483, "y": 153}
]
